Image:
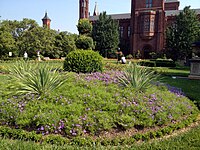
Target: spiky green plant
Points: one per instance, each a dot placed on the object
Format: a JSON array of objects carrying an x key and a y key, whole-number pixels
[
  {"x": 137, "y": 77},
  {"x": 34, "y": 78}
]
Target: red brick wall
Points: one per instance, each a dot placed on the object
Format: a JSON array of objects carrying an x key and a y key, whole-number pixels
[
  {"x": 152, "y": 43},
  {"x": 172, "y": 6},
  {"x": 83, "y": 11},
  {"x": 47, "y": 23}
]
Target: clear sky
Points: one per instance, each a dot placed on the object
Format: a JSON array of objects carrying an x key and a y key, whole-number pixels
[{"x": 65, "y": 13}]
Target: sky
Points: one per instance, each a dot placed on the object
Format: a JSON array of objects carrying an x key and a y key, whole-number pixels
[{"x": 64, "y": 14}]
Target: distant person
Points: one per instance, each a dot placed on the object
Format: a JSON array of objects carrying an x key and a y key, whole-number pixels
[{"x": 123, "y": 59}]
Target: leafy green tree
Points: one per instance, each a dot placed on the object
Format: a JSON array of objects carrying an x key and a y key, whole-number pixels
[
  {"x": 84, "y": 27},
  {"x": 17, "y": 29},
  {"x": 105, "y": 34},
  {"x": 40, "y": 39},
  {"x": 65, "y": 43},
  {"x": 84, "y": 42},
  {"x": 7, "y": 44},
  {"x": 181, "y": 35}
]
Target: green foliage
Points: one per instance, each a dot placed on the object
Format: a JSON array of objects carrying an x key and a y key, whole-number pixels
[
  {"x": 137, "y": 77},
  {"x": 129, "y": 56},
  {"x": 16, "y": 29},
  {"x": 85, "y": 61},
  {"x": 105, "y": 34},
  {"x": 147, "y": 63},
  {"x": 58, "y": 140},
  {"x": 36, "y": 79},
  {"x": 41, "y": 39},
  {"x": 189, "y": 88},
  {"x": 158, "y": 63},
  {"x": 165, "y": 63},
  {"x": 182, "y": 34},
  {"x": 91, "y": 107},
  {"x": 84, "y": 27},
  {"x": 26, "y": 35},
  {"x": 153, "y": 55},
  {"x": 84, "y": 42},
  {"x": 64, "y": 43},
  {"x": 94, "y": 107},
  {"x": 187, "y": 140},
  {"x": 7, "y": 43},
  {"x": 19, "y": 134}
]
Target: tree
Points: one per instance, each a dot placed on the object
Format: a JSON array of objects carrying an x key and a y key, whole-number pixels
[
  {"x": 65, "y": 43},
  {"x": 17, "y": 29},
  {"x": 84, "y": 42},
  {"x": 39, "y": 39},
  {"x": 7, "y": 44},
  {"x": 181, "y": 35},
  {"x": 105, "y": 34},
  {"x": 84, "y": 27}
]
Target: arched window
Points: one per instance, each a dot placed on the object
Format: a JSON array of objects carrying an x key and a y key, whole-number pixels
[
  {"x": 84, "y": 3},
  {"x": 149, "y": 3}
]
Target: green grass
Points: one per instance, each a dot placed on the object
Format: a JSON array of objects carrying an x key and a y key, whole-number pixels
[
  {"x": 189, "y": 87},
  {"x": 173, "y": 71},
  {"x": 189, "y": 140}
]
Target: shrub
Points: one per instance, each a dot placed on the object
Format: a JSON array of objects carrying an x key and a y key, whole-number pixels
[
  {"x": 84, "y": 27},
  {"x": 84, "y": 42},
  {"x": 111, "y": 53},
  {"x": 85, "y": 61},
  {"x": 165, "y": 63},
  {"x": 147, "y": 63},
  {"x": 129, "y": 56},
  {"x": 34, "y": 79},
  {"x": 158, "y": 63},
  {"x": 137, "y": 77}
]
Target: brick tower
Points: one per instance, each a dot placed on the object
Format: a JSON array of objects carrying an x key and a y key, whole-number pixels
[
  {"x": 148, "y": 26},
  {"x": 83, "y": 9},
  {"x": 46, "y": 21}
]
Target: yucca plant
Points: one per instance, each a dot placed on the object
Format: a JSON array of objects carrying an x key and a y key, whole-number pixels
[
  {"x": 137, "y": 77},
  {"x": 34, "y": 78}
]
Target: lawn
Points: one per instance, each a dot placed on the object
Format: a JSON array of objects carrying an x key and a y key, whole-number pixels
[
  {"x": 91, "y": 106},
  {"x": 190, "y": 87}
]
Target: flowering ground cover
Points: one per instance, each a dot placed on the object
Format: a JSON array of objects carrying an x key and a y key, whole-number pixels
[{"x": 97, "y": 107}]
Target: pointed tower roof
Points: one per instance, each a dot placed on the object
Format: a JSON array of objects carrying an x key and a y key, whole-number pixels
[
  {"x": 46, "y": 17},
  {"x": 96, "y": 12}
]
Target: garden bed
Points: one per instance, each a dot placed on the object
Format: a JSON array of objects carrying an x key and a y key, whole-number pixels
[{"x": 95, "y": 108}]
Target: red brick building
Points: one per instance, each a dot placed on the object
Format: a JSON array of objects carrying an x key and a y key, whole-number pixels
[
  {"x": 46, "y": 21},
  {"x": 144, "y": 28}
]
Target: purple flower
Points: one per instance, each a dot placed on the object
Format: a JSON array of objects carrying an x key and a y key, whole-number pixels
[
  {"x": 78, "y": 125},
  {"x": 84, "y": 131},
  {"x": 170, "y": 116},
  {"x": 41, "y": 128}
]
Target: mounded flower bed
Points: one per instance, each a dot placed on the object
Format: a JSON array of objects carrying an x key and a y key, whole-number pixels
[{"x": 96, "y": 108}]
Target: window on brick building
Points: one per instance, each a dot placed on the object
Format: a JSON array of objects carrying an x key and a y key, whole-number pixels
[
  {"x": 149, "y": 3},
  {"x": 121, "y": 31},
  {"x": 129, "y": 31},
  {"x": 83, "y": 3},
  {"x": 146, "y": 24}
]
